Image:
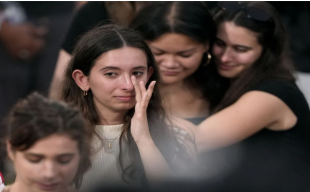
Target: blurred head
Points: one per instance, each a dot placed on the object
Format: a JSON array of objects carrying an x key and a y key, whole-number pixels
[
  {"x": 250, "y": 34},
  {"x": 48, "y": 143},
  {"x": 179, "y": 34},
  {"x": 103, "y": 61}
]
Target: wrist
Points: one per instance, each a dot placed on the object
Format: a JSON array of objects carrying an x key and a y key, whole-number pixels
[{"x": 146, "y": 142}]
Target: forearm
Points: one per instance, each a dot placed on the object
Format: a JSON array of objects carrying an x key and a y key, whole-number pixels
[
  {"x": 59, "y": 73},
  {"x": 155, "y": 165}
]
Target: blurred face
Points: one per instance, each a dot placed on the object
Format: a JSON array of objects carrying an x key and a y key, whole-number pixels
[
  {"x": 178, "y": 56},
  {"x": 49, "y": 165},
  {"x": 110, "y": 81},
  {"x": 235, "y": 49}
]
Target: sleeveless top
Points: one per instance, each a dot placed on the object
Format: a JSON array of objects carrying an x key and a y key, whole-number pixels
[{"x": 268, "y": 160}]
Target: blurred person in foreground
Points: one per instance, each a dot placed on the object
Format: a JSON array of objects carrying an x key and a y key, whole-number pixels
[
  {"x": 30, "y": 36},
  {"x": 36, "y": 124}
]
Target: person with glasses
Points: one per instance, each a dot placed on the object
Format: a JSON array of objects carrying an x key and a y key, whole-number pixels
[
  {"x": 180, "y": 35},
  {"x": 48, "y": 143},
  {"x": 260, "y": 131}
]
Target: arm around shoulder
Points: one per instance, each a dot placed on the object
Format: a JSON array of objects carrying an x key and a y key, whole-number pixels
[{"x": 252, "y": 112}]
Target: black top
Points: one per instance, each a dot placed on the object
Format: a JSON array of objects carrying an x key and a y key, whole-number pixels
[
  {"x": 268, "y": 160},
  {"x": 89, "y": 16},
  {"x": 196, "y": 120}
]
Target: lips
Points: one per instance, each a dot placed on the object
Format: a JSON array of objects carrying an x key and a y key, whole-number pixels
[
  {"x": 226, "y": 67},
  {"x": 47, "y": 187},
  {"x": 169, "y": 73},
  {"x": 125, "y": 98}
]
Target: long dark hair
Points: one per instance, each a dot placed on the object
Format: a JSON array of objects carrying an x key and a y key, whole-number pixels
[
  {"x": 274, "y": 62},
  {"x": 90, "y": 47},
  {"x": 191, "y": 19},
  {"x": 37, "y": 117}
]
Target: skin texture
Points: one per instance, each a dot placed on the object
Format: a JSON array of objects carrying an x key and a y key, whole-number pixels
[
  {"x": 177, "y": 55},
  {"x": 235, "y": 49},
  {"x": 122, "y": 74},
  {"x": 39, "y": 169},
  {"x": 111, "y": 75}
]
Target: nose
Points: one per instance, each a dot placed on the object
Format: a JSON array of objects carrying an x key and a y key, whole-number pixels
[
  {"x": 49, "y": 171},
  {"x": 126, "y": 83},
  {"x": 226, "y": 56},
  {"x": 169, "y": 61}
]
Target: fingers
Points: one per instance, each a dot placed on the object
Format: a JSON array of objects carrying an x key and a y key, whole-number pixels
[
  {"x": 137, "y": 88},
  {"x": 143, "y": 96},
  {"x": 151, "y": 89}
]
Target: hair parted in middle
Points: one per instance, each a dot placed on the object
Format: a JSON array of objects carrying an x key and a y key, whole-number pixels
[
  {"x": 89, "y": 48},
  {"x": 189, "y": 18}
]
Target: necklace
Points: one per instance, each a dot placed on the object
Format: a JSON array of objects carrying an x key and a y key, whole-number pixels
[{"x": 109, "y": 148}]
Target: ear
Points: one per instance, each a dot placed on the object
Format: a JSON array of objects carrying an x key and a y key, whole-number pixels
[
  {"x": 149, "y": 73},
  {"x": 80, "y": 79},
  {"x": 9, "y": 150}
]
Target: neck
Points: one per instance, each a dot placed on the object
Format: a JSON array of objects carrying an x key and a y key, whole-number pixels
[
  {"x": 172, "y": 88},
  {"x": 111, "y": 117},
  {"x": 183, "y": 101}
]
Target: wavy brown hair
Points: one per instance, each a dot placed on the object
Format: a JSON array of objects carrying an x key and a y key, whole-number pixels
[
  {"x": 90, "y": 47},
  {"x": 37, "y": 117}
]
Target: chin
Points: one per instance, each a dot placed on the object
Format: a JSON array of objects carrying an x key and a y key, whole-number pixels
[
  {"x": 227, "y": 74},
  {"x": 124, "y": 106}
]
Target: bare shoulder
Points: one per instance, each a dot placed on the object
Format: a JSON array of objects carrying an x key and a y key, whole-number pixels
[
  {"x": 259, "y": 96},
  {"x": 262, "y": 101}
]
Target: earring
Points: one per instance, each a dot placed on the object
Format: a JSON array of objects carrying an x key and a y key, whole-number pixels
[
  {"x": 209, "y": 59},
  {"x": 85, "y": 92}
]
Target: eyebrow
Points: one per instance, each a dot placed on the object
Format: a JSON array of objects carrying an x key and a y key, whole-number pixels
[
  {"x": 117, "y": 68},
  {"x": 235, "y": 45},
  {"x": 179, "y": 52}
]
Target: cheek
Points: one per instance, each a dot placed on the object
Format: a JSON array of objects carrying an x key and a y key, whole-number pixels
[
  {"x": 69, "y": 170},
  {"x": 217, "y": 51},
  {"x": 27, "y": 170},
  {"x": 100, "y": 84},
  {"x": 247, "y": 59},
  {"x": 160, "y": 59},
  {"x": 191, "y": 62}
]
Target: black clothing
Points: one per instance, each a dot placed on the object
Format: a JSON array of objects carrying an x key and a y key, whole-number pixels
[
  {"x": 196, "y": 120},
  {"x": 18, "y": 78},
  {"x": 295, "y": 16},
  {"x": 89, "y": 16},
  {"x": 268, "y": 160}
]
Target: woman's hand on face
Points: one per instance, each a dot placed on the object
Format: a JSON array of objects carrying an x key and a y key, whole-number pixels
[{"x": 139, "y": 123}]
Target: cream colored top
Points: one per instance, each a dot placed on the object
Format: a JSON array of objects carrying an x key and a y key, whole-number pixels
[{"x": 105, "y": 169}]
